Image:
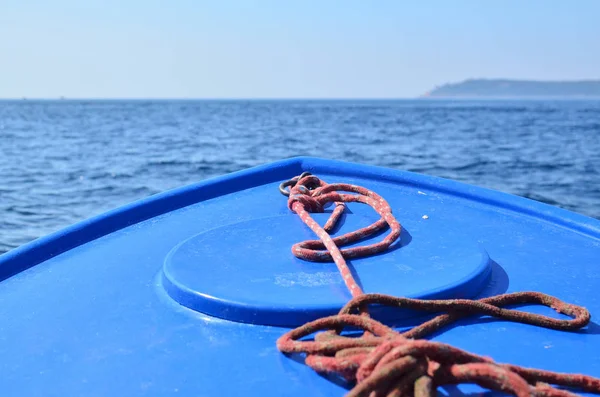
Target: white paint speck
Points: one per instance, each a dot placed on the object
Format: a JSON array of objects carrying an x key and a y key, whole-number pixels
[
  {"x": 404, "y": 268},
  {"x": 307, "y": 279}
]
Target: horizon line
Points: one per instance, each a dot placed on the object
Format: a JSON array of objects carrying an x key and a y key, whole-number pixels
[
  {"x": 168, "y": 98},
  {"x": 231, "y": 99}
]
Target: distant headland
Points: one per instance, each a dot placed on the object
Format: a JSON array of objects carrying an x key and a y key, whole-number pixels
[{"x": 503, "y": 88}]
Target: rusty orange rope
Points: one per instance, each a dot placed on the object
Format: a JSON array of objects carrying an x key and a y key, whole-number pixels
[{"x": 383, "y": 362}]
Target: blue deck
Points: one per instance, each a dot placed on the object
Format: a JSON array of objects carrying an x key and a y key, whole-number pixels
[{"x": 87, "y": 311}]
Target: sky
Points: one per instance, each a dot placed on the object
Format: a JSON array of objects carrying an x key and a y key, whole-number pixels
[{"x": 287, "y": 48}]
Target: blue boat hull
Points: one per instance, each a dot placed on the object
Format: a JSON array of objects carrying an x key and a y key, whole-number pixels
[{"x": 154, "y": 299}]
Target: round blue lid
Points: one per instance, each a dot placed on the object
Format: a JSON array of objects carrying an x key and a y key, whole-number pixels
[{"x": 246, "y": 271}]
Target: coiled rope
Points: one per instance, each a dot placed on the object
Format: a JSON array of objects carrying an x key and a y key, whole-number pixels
[{"x": 383, "y": 362}]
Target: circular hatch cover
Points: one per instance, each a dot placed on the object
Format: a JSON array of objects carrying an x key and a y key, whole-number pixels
[{"x": 246, "y": 272}]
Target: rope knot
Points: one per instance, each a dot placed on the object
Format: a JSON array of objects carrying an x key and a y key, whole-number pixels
[{"x": 301, "y": 194}]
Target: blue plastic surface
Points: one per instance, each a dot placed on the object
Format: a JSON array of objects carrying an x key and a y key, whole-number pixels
[
  {"x": 245, "y": 271},
  {"x": 117, "y": 305}
]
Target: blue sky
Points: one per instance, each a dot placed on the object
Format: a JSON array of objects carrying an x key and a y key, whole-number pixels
[{"x": 287, "y": 49}]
